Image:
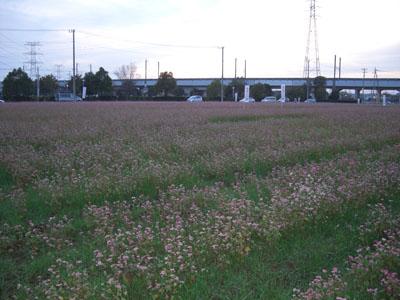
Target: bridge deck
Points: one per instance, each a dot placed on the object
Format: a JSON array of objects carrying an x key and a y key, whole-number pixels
[{"x": 343, "y": 83}]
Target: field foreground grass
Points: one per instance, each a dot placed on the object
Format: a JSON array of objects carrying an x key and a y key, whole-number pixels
[{"x": 208, "y": 201}]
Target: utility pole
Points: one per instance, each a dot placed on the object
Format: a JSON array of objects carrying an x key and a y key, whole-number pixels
[
  {"x": 90, "y": 66},
  {"x": 37, "y": 84},
  {"x": 363, "y": 83},
  {"x": 158, "y": 69},
  {"x": 222, "y": 75},
  {"x": 376, "y": 82},
  {"x": 233, "y": 86},
  {"x": 337, "y": 69},
  {"x": 145, "y": 73},
  {"x": 235, "y": 66},
  {"x": 73, "y": 65},
  {"x": 245, "y": 69},
  {"x": 308, "y": 78},
  {"x": 334, "y": 74}
]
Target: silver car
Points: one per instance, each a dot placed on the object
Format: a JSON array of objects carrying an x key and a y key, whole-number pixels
[
  {"x": 248, "y": 100},
  {"x": 310, "y": 100},
  {"x": 269, "y": 99},
  {"x": 195, "y": 98}
]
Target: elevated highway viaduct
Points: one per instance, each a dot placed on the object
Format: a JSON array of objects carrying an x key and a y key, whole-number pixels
[{"x": 356, "y": 84}]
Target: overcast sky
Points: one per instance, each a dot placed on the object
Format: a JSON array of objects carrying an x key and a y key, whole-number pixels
[{"x": 270, "y": 34}]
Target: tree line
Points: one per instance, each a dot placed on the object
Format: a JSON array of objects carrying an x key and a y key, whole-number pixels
[{"x": 18, "y": 86}]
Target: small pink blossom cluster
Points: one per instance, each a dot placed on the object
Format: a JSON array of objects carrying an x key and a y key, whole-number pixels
[
  {"x": 328, "y": 286},
  {"x": 302, "y": 193},
  {"x": 36, "y": 238},
  {"x": 372, "y": 266},
  {"x": 379, "y": 219},
  {"x": 103, "y": 151},
  {"x": 58, "y": 286},
  {"x": 391, "y": 283},
  {"x": 48, "y": 235},
  {"x": 166, "y": 243}
]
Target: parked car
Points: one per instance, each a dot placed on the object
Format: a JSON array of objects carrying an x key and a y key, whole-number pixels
[
  {"x": 283, "y": 100},
  {"x": 2, "y": 101},
  {"x": 248, "y": 100},
  {"x": 67, "y": 97},
  {"x": 269, "y": 99},
  {"x": 310, "y": 100},
  {"x": 195, "y": 98}
]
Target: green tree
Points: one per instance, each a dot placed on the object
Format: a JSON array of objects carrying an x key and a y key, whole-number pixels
[
  {"x": 259, "y": 91},
  {"x": 166, "y": 83},
  {"x": 103, "y": 83},
  {"x": 236, "y": 86},
  {"x": 90, "y": 83},
  {"x": 297, "y": 92},
  {"x": 48, "y": 85},
  {"x": 268, "y": 90},
  {"x": 214, "y": 90},
  {"x": 78, "y": 84},
  {"x": 196, "y": 91},
  {"x": 128, "y": 88},
  {"x": 152, "y": 91},
  {"x": 320, "y": 88},
  {"x": 179, "y": 91},
  {"x": 335, "y": 94},
  {"x": 17, "y": 86}
]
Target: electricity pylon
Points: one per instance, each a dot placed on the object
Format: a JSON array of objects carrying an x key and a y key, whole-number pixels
[{"x": 312, "y": 39}]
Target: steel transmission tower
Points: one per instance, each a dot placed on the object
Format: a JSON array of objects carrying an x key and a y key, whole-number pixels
[
  {"x": 58, "y": 71},
  {"x": 312, "y": 39},
  {"x": 33, "y": 60}
]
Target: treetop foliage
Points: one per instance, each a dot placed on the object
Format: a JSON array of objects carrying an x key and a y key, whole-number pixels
[
  {"x": 17, "y": 86},
  {"x": 166, "y": 83}
]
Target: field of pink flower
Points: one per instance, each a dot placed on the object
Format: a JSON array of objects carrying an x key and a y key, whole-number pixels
[{"x": 182, "y": 201}]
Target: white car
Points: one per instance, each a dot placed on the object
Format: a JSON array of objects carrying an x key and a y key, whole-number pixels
[
  {"x": 310, "y": 100},
  {"x": 248, "y": 100},
  {"x": 283, "y": 100},
  {"x": 2, "y": 101},
  {"x": 269, "y": 99},
  {"x": 195, "y": 98},
  {"x": 67, "y": 97}
]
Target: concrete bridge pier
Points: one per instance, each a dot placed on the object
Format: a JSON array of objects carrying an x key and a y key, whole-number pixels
[
  {"x": 378, "y": 95},
  {"x": 357, "y": 94}
]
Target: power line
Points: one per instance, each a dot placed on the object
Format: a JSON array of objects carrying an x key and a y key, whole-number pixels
[
  {"x": 86, "y": 48},
  {"x": 150, "y": 43},
  {"x": 1, "y": 62},
  {"x": 11, "y": 41},
  {"x": 33, "y": 30},
  {"x": 6, "y": 50}
]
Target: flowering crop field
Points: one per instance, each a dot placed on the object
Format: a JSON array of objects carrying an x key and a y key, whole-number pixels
[{"x": 123, "y": 200}]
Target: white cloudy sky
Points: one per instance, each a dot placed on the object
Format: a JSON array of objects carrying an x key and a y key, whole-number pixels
[{"x": 269, "y": 34}]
